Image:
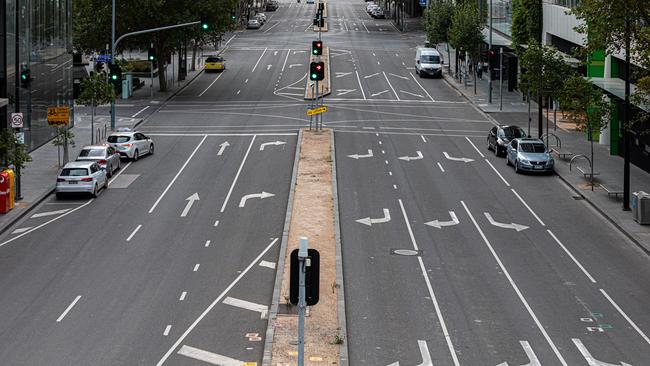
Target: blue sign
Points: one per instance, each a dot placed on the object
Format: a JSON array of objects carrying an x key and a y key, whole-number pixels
[
  {"x": 423, "y": 2},
  {"x": 103, "y": 58}
]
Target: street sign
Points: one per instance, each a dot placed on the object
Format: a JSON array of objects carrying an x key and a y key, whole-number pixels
[
  {"x": 319, "y": 110},
  {"x": 103, "y": 58},
  {"x": 17, "y": 120},
  {"x": 20, "y": 136},
  {"x": 58, "y": 116}
]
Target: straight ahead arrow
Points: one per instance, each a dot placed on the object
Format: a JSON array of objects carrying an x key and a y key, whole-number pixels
[
  {"x": 223, "y": 147},
  {"x": 439, "y": 224},
  {"x": 358, "y": 156},
  {"x": 409, "y": 158},
  {"x": 368, "y": 221},
  {"x": 262, "y": 195},
  {"x": 517, "y": 227},
  {"x": 276, "y": 143},
  {"x": 464, "y": 160},
  {"x": 188, "y": 206}
]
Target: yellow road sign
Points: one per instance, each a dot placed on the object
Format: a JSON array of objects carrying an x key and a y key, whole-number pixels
[
  {"x": 311, "y": 112},
  {"x": 58, "y": 116}
]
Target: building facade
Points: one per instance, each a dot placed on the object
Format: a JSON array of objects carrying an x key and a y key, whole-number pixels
[{"x": 35, "y": 40}]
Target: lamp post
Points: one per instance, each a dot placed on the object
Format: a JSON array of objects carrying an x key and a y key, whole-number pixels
[{"x": 489, "y": 58}]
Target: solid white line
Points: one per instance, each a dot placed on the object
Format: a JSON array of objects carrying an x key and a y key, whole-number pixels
[
  {"x": 225, "y": 202},
  {"x": 285, "y": 61},
  {"x": 499, "y": 174},
  {"x": 216, "y": 223},
  {"x": 68, "y": 309},
  {"x": 423, "y": 139},
  {"x": 231, "y": 38},
  {"x": 421, "y": 87},
  {"x": 268, "y": 29},
  {"x": 196, "y": 267},
  {"x": 514, "y": 286},
  {"x": 391, "y": 85},
  {"x": 182, "y": 296},
  {"x": 133, "y": 233},
  {"x": 571, "y": 256},
  {"x": 360, "y": 86},
  {"x": 49, "y": 213},
  {"x": 364, "y": 25},
  {"x": 207, "y": 243},
  {"x": 475, "y": 148},
  {"x": 638, "y": 330},
  {"x": 441, "y": 168},
  {"x": 140, "y": 111},
  {"x": 167, "y": 329},
  {"x": 212, "y": 83},
  {"x": 230, "y": 134},
  {"x": 118, "y": 174},
  {"x": 528, "y": 207},
  {"x": 258, "y": 60},
  {"x": 177, "y": 174},
  {"x": 45, "y": 223},
  {"x": 267, "y": 264},
  {"x": 430, "y": 288},
  {"x": 214, "y": 303},
  {"x": 209, "y": 357}
]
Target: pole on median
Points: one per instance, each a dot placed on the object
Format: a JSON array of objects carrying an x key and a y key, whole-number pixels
[
  {"x": 501, "y": 78},
  {"x": 490, "y": 59},
  {"x": 151, "y": 76},
  {"x": 302, "y": 304}
]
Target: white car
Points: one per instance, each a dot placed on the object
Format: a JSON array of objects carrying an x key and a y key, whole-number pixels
[
  {"x": 261, "y": 17},
  {"x": 131, "y": 144},
  {"x": 104, "y": 155},
  {"x": 81, "y": 177},
  {"x": 253, "y": 24}
]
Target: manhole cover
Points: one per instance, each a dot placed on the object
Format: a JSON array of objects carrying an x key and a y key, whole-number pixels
[{"x": 405, "y": 252}]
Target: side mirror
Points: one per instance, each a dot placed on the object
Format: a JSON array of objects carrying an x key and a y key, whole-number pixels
[
  {"x": 417, "y": 62},
  {"x": 442, "y": 62}
]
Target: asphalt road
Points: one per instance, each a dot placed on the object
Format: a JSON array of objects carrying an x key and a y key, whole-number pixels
[{"x": 434, "y": 267}]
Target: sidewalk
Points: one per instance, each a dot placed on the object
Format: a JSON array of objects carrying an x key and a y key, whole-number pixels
[{"x": 610, "y": 167}]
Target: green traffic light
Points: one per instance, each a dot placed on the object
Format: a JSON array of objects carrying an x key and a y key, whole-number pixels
[
  {"x": 23, "y": 76},
  {"x": 314, "y": 76},
  {"x": 204, "y": 26},
  {"x": 114, "y": 77}
]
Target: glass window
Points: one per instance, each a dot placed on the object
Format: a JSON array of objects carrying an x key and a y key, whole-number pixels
[
  {"x": 74, "y": 172},
  {"x": 430, "y": 59},
  {"x": 533, "y": 148},
  {"x": 118, "y": 139},
  {"x": 512, "y": 132},
  {"x": 92, "y": 153}
]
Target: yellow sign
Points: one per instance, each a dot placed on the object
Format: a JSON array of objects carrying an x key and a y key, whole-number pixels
[
  {"x": 58, "y": 116},
  {"x": 311, "y": 112}
]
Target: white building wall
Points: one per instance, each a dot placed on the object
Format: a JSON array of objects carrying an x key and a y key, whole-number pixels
[{"x": 559, "y": 23}]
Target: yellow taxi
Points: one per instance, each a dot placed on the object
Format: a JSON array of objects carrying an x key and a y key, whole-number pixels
[{"x": 214, "y": 63}]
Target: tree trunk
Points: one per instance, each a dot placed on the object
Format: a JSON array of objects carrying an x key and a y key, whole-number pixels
[
  {"x": 161, "y": 57},
  {"x": 195, "y": 49}
]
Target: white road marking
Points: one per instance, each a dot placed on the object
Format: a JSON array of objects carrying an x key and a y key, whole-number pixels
[
  {"x": 528, "y": 207},
  {"x": 474, "y": 146},
  {"x": 207, "y": 243},
  {"x": 238, "y": 91},
  {"x": 441, "y": 168},
  {"x": 421, "y": 87},
  {"x": 368, "y": 221},
  {"x": 68, "y": 309},
  {"x": 140, "y": 111},
  {"x": 21, "y": 230},
  {"x": 423, "y": 139},
  {"x": 368, "y": 128},
  {"x": 369, "y": 76},
  {"x": 285, "y": 62},
  {"x": 360, "y": 86},
  {"x": 267, "y": 264},
  {"x": 499, "y": 174},
  {"x": 268, "y": 29},
  {"x": 222, "y": 147},
  {"x": 390, "y": 173},
  {"x": 258, "y": 60},
  {"x": 359, "y": 156},
  {"x": 342, "y": 74},
  {"x": 209, "y": 357},
  {"x": 268, "y": 67},
  {"x": 515, "y": 287},
  {"x": 514, "y": 226},
  {"x": 412, "y": 94},
  {"x": 274, "y": 143},
  {"x": 409, "y": 158},
  {"x": 398, "y": 76},
  {"x": 216, "y": 223},
  {"x": 215, "y": 80},
  {"x": 534, "y": 361},
  {"x": 246, "y": 81},
  {"x": 432, "y": 295},
  {"x": 391, "y": 85},
  {"x": 49, "y": 213},
  {"x": 262, "y": 309},
  {"x": 380, "y": 93},
  {"x": 45, "y": 223},
  {"x": 118, "y": 174},
  {"x": 386, "y": 162},
  {"x": 571, "y": 256},
  {"x": 225, "y": 202},
  {"x": 464, "y": 160},
  {"x": 133, "y": 233},
  {"x": 190, "y": 201},
  {"x": 196, "y": 267},
  {"x": 380, "y": 142},
  {"x": 340, "y": 92},
  {"x": 177, "y": 174},
  {"x": 633, "y": 324},
  {"x": 364, "y": 25},
  {"x": 394, "y": 186},
  {"x": 424, "y": 353},
  {"x": 167, "y": 329},
  {"x": 590, "y": 359},
  {"x": 439, "y": 224},
  {"x": 182, "y": 296},
  {"x": 262, "y": 195},
  {"x": 296, "y": 65}
]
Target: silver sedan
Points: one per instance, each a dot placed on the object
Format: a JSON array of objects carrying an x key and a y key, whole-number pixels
[{"x": 104, "y": 155}]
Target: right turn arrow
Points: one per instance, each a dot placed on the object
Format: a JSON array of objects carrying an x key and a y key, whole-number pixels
[
  {"x": 358, "y": 156},
  {"x": 262, "y": 195},
  {"x": 464, "y": 160},
  {"x": 517, "y": 227},
  {"x": 439, "y": 224}
]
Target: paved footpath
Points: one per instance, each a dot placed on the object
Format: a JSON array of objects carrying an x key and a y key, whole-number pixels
[{"x": 610, "y": 167}]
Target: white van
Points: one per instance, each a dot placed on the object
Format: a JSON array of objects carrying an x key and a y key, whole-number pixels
[{"x": 428, "y": 62}]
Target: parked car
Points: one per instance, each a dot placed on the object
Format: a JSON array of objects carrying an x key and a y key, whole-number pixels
[
  {"x": 253, "y": 24},
  {"x": 378, "y": 13},
  {"x": 528, "y": 154},
  {"x": 131, "y": 144},
  {"x": 261, "y": 17},
  {"x": 371, "y": 7},
  {"x": 104, "y": 155},
  {"x": 499, "y": 137},
  {"x": 214, "y": 63},
  {"x": 80, "y": 177},
  {"x": 272, "y": 6}
]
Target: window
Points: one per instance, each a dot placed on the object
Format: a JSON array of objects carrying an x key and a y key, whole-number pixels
[
  {"x": 119, "y": 139},
  {"x": 74, "y": 172},
  {"x": 214, "y": 59},
  {"x": 512, "y": 132},
  {"x": 536, "y": 148},
  {"x": 92, "y": 153},
  {"x": 430, "y": 59}
]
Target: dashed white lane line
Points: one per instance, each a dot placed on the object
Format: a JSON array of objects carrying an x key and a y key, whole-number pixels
[
  {"x": 49, "y": 213},
  {"x": 423, "y": 139},
  {"x": 383, "y": 151},
  {"x": 515, "y": 287},
  {"x": 380, "y": 142},
  {"x": 285, "y": 61},
  {"x": 68, "y": 309},
  {"x": 216, "y": 223},
  {"x": 140, "y": 111},
  {"x": 167, "y": 329},
  {"x": 394, "y": 186},
  {"x": 133, "y": 233},
  {"x": 225, "y": 202},
  {"x": 214, "y": 303},
  {"x": 182, "y": 296},
  {"x": 238, "y": 91},
  {"x": 441, "y": 168},
  {"x": 528, "y": 207},
  {"x": 386, "y": 161},
  {"x": 267, "y": 264},
  {"x": 432, "y": 295},
  {"x": 196, "y": 267},
  {"x": 262, "y": 309},
  {"x": 207, "y": 243},
  {"x": 391, "y": 85},
  {"x": 390, "y": 173},
  {"x": 633, "y": 324},
  {"x": 571, "y": 256},
  {"x": 212, "y": 83},
  {"x": 474, "y": 146},
  {"x": 496, "y": 171},
  {"x": 178, "y": 174}
]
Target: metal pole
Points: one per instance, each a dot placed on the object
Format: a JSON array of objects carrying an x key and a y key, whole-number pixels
[
  {"x": 501, "y": 78},
  {"x": 529, "y": 116},
  {"x": 302, "y": 304},
  {"x": 151, "y": 76},
  {"x": 113, "y": 60},
  {"x": 626, "y": 120},
  {"x": 489, "y": 59},
  {"x": 554, "y": 116}
]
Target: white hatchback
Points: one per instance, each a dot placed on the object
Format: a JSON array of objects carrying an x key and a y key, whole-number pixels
[
  {"x": 81, "y": 177},
  {"x": 131, "y": 144}
]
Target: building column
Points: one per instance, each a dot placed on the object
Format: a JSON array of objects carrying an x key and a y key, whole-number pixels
[{"x": 608, "y": 67}]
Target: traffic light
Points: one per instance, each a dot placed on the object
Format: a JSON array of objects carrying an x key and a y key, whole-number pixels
[
  {"x": 317, "y": 71},
  {"x": 115, "y": 75},
  {"x": 25, "y": 78},
  {"x": 152, "y": 54},
  {"x": 206, "y": 21},
  {"x": 312, "y": 277},
  {"x": 317, "y": 48}
]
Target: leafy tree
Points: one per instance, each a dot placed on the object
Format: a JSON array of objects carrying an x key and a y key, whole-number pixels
[
  {"x": 12, "y": 152},
  {"x": 526, "y": 21},
  {"x": 465, "y": 31},
  {"x": 95, "y": 90},
  {"x": 437, "y": 22},
  {"x": 64, "y": 137}
]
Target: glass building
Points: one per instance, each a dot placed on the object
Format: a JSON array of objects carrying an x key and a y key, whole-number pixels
[{"x": 35, "y": 36}]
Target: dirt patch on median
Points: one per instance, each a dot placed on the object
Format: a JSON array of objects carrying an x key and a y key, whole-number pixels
[{"x": 312, "y": 217}]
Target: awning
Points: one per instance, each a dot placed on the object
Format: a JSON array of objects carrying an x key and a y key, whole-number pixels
[
  {"x": 497, "y": 39},
  {"x": 616, "y": 87}
]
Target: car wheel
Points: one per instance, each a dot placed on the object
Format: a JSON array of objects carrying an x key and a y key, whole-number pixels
[
  {"x": 109, "y": 171},
  {"x": 507, "y": 161},
  {"x": 59, "y": 195},
  {"x": 488, "y": 145},
  {"x": 136, "y": 155},
  {"x": 151, "y": 149},
  {"x": 94, "y": 193}
]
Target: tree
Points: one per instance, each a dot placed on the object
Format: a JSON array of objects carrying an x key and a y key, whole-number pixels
[
  {"x": 437, "y": 22},
  {"x": 12, "y": 152},
  {"x": 526, "y": 21},
  {"x": 95, "y": 90},
  {"x": 465, "y": 31}
]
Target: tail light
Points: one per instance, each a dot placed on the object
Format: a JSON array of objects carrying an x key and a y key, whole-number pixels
[
  {"x": 127, "y": 145},
  {"x": 101, "y": 162},
  {"x": 86, "y": 179},
  {"x": 60, "y": 180}
]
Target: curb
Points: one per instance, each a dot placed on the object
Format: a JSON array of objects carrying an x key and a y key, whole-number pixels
[
  {"x": 279, "y": 271},
  {"x": 343, "y": 350},
  {"x": 27, "y": 210}
]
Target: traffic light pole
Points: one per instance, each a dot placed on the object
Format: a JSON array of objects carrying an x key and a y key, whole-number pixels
[{"x": 302, "y": 303}]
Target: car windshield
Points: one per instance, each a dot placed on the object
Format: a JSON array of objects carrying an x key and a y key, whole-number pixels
[
  {"x": 118, "y": 139},
  {"x": 512, "y": 132},
  {"x": 91, "y": 153},
  {"x": 214, "y": 59},
  {"x": 74, "y": 172},
  {"x": 430, "y": 59},
  {"x": 533, "y": 147}
]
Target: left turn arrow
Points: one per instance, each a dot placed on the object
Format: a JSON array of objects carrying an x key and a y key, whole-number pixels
[
  {"x": 190, "y": 201},
  {"x": 368, "y": 221}
]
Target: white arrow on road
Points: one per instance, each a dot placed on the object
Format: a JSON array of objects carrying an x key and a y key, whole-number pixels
[
  {"x": 590, "y": 359},
  {"x": 276, "y": 143},
  {"x": 517, "y": 227},
  {"x": 424, "y": 351},
  {"x": 464, "y": 160},
  {"x": 275, "y": 53},
  {"x": 529, "y": 352},
  {"x": 368, "y": 221},
  {"x": 439, "y": 224},
  {"x": 409, "y": 158},
  {"x": 359, "y": 156},
  {"x": 223, "y": 147},
  {"x": 188, "y": 206},
  {"x": 268, "y": 67},
  {"x": 262, "y": 195}
]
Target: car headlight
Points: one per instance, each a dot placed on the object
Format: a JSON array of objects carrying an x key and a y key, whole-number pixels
[{"x": 524, "y": 161}]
